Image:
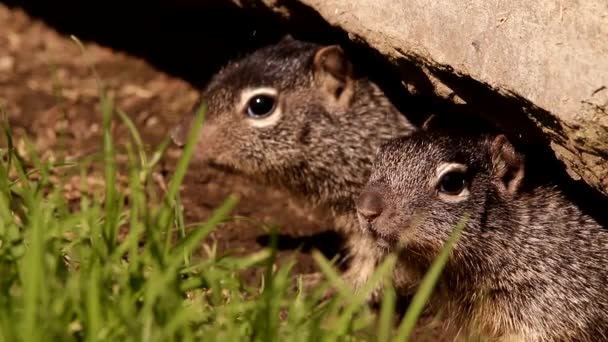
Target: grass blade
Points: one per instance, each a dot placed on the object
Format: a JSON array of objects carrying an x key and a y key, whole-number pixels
[
  {"x": 184, "y": 160},
  {"x": 32, "y": 276},
  {"x": 387, "y": 313}
]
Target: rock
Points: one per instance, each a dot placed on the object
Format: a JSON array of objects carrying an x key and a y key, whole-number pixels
[{"x": 533, "y": 68}]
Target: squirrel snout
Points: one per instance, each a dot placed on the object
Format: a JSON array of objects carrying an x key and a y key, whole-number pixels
[
  {"x": 370, "y": 204},
  {"x": 177, "y": 136}
]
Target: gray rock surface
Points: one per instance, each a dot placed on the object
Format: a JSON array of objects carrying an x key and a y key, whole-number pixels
[{"x": 528, "y": 65}]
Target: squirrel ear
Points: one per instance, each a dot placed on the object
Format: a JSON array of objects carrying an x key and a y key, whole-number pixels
[
  {"x": 507, "y": 164},
  {"x": 334, "y": 74}
]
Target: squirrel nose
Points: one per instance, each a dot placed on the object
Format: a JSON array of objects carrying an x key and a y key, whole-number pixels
[
  {"x": 177, "y": 135},
  {"x": 370, "y": 204}
]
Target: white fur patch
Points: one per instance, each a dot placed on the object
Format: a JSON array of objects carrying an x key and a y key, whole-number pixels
[
  {"x": 449, "y": 167},
  {"x": 266, "y": 121}
]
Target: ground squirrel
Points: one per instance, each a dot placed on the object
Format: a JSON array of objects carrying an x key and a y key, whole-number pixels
[
  {"x": 295, "y": 115},
  {"x": 529, "y": 263}
]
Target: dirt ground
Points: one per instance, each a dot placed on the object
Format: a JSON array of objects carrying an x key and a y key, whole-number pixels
[{"x": 36, "y": 62}]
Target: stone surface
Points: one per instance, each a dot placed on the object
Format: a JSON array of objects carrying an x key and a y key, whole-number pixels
[{"x": 533, "y": 67}]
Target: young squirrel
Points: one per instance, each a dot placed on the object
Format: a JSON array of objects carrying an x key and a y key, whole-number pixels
[
  {"x": 528, "y": 264},
  {"x": 294, "y": 115}
]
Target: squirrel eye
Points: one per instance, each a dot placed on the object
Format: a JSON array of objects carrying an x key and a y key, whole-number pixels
[
  {"x": 261, "y": 105},
  {"x": 452, "y": 183}
]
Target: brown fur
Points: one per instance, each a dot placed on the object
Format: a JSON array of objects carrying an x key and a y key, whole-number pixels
[
  {"x": 321, "y": 146},
  {"x": 529, "y": 264}
]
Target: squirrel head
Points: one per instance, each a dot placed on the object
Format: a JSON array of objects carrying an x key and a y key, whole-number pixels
[
  {"x": 262, "y": 107},
  {"x": 285, "y": 109},
  {"x": 424, "y": 185}
]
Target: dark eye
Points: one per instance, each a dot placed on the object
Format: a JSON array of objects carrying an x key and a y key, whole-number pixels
[
  {"x": 261, "y": 105},
  {"x": 452, "y": 183}
]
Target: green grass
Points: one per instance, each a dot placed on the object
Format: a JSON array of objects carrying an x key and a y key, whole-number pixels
[{"x": 65, "y": 275}]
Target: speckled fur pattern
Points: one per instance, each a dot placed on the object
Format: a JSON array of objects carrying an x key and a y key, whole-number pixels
[
  {"x": 529, "y": 264},
  {"x": 320, "y": 150}
]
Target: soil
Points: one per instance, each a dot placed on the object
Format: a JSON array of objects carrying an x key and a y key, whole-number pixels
[{"x": 44, "y": 75}]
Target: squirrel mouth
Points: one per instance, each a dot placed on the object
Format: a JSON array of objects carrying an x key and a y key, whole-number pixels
[
  {"x": 383, "y": 243},
  {"x": 222, "y": 167},
  {"x": 386, "y": 241}
]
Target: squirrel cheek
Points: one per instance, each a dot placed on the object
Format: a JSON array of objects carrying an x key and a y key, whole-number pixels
[{"x": 411, "y": 226}]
